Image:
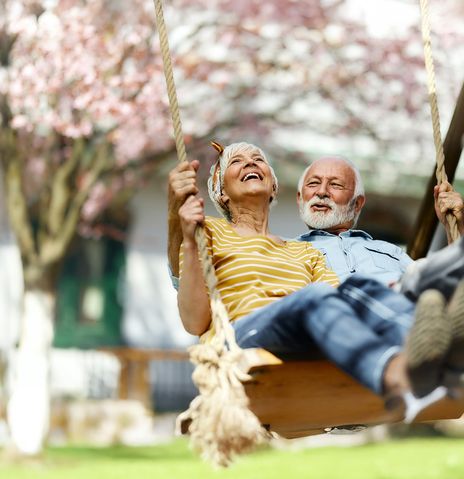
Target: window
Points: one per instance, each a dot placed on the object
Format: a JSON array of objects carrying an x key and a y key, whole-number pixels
[{"x": 89, "y": 300}]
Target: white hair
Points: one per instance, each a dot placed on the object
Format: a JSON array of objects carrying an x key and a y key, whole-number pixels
[
  {"x": 338, "y": 214},
  {"x": 215, "y": 187},
  {"x": 358, "y": 182}
]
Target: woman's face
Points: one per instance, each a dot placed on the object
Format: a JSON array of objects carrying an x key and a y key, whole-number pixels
[{"x": 247, "y": 175}]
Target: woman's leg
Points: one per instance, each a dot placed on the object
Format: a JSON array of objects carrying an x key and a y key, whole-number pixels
[{"x": 279, "y": 327}]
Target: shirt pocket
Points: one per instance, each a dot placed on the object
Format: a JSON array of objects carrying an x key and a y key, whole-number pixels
[
  {"x": 384, "y": 258},
  {"x": 326, "y": 258}
]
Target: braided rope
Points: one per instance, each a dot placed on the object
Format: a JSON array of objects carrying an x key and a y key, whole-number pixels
[
  {"x": 429, "y": 65},
  {"x": 219, "y": 421},
  {"x": 171, "y": 86}
]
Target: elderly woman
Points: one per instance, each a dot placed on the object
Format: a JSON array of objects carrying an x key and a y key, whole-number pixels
[{"x": 266, "y": 284}]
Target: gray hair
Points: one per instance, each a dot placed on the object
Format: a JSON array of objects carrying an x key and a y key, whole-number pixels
[
  {"x": 216, "y": 178},
  {"x": 358, "y": 182}
]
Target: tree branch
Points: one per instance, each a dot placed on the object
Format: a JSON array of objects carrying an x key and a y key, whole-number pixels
[
  {"x": 15, "y": 198},
  {"x": 60, "y": 190},
  {"x": 54, "y": 248}
]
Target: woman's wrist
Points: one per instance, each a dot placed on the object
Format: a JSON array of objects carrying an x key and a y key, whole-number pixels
[{"x": 189, "y": 245}]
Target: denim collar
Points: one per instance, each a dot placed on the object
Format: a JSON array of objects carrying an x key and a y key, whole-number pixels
[{"x": 313, "y": 233}]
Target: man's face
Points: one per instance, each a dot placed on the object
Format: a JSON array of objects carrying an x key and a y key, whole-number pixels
[{"x": 326, "y": 200}]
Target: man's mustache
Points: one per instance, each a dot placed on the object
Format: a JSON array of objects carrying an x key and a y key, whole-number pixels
[{"x": 321, "y": 201}]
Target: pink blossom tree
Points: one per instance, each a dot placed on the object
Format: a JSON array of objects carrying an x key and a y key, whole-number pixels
[{"x": 84, "y": 114}]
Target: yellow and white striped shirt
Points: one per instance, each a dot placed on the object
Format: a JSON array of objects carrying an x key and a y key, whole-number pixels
[{"x": 254, "y": 271}]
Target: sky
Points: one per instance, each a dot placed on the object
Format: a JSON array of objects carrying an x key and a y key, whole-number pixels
[{"x": 384, "y": 16}]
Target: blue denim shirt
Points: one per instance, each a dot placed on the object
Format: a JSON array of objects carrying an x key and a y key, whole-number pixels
[
  {"x": 174, "y": 279},
  {"x": 355, "y": 251}
]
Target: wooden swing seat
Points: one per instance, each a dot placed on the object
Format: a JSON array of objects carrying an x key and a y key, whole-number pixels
[{"x": 304, "y": 397}]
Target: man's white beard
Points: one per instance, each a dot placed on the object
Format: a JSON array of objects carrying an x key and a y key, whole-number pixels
[{"x": 321, "y": 220}]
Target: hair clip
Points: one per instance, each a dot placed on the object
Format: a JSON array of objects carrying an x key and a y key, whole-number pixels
[{"x": 217, "y": 146}]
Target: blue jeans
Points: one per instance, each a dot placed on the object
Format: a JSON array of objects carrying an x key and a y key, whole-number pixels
[{"x": 359, "y": 326}]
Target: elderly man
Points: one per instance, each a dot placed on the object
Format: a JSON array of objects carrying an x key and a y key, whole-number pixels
[{"x": 330, "y": 198}]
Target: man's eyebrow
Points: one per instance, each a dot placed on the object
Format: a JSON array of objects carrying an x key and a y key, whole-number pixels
[
  {"x": 334, "y": 177},
  {"x": 340, "y": 179}
]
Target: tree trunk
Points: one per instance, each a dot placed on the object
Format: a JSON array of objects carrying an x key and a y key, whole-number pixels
[{"x": 29, "y": 404}]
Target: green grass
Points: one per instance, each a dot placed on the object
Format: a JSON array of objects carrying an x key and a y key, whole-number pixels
[{"x": 431, "y": 458}]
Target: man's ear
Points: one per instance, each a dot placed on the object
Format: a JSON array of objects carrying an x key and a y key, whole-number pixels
[
  {"x": 360, "y": 202},
  {"x": 298, "y": 197}
]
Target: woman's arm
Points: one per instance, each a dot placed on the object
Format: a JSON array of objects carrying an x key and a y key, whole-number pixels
[
  {"x": 192, "y": 299},
  {"x": 181, "y": 185},
  {"x": 320, "y": 271}
]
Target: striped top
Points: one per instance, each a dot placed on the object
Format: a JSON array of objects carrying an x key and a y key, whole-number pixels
[{"x": 254, "y": 271}]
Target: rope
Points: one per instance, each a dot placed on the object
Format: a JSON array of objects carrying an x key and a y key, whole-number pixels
[
  {"x": 429, "y": 66},
  {"x": 219, "y": 421},
  {"x": 171, "y": 86}
]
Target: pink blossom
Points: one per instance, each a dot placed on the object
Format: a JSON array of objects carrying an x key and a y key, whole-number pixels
[{"x": 243, "y": 68}]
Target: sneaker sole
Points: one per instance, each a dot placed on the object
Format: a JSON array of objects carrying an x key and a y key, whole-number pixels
[
  {"x": 455, "y": 359},
  {"x": 428, "y": 343}
]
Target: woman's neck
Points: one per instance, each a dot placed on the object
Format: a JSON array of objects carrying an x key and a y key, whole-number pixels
[{"x": 248, "y": 222}]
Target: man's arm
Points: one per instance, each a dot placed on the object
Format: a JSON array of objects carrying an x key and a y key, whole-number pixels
[
  {"x": 448, "y": 200},
  {"x": 182, "y": 184}
]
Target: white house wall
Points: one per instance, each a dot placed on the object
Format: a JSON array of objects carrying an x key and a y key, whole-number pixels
[
  {"x": 150, "y": 307},
  {"x": 150, "y": 317}
]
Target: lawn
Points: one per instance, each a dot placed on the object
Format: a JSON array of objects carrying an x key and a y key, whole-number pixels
[{"x": 424, "y": 458}]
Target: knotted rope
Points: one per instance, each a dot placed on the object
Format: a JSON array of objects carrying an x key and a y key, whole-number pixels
[
  {"x": 219, "y": 421},
  {"x": 429, "y": 66}
]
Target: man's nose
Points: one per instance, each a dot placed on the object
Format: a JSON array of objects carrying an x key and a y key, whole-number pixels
[{"x": 322, "y": 190}]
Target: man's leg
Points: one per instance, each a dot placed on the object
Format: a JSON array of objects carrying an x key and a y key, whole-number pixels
[
  {"x": 323, "y": 314},
  {"x": 362, "y": 326},
  {"x": 389, "y": 314},
  {"x": 427, "y": 334},
  {"x": 441, "y": 270}
]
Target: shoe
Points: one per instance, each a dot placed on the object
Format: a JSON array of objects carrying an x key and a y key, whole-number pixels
[
  {"x": 428, "y": 343},
  {"x": 395, "y": 384},
  {"x": 454, "y": 367},
  {"x": 441, "y": 270}
]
